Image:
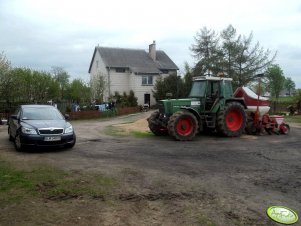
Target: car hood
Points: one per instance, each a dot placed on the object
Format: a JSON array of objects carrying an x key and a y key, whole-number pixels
[{"x": 45, "y": 123}]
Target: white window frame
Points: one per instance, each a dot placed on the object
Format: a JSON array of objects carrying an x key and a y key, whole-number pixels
[{"x": 149, "y": 80}]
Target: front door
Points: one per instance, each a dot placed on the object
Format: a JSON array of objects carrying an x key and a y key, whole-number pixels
[{"x": 147, "y": 99}]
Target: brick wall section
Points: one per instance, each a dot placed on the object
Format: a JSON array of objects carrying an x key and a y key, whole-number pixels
[
  {"x": 84, "y": 115},
  {"x": 98, "y": 114},
  {"x": 127, "y": 110}
]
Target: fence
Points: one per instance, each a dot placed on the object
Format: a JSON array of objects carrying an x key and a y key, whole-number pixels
[{"x": 97, "y": 114}]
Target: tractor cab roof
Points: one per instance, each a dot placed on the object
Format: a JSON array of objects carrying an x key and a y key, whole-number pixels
[{"x": 211, "y": 78}]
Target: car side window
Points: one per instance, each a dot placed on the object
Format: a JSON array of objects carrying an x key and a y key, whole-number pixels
[{"x": 18, "y": 113}]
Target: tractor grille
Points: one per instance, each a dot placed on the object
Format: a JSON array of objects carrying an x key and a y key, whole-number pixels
[{"x": 51, "y": 131}]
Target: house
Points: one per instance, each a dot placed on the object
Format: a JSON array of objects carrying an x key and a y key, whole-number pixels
[{"x": 130, "y": 69}]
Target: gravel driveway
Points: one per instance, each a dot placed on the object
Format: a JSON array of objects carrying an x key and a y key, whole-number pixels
[{"x": 209, "y": 181}]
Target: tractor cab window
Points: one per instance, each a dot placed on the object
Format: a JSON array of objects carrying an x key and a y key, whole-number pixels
[
  {"x": 212, "y": 89},
  {"x": 198, "y": 89},
  {"x": 212, "y": 94}
]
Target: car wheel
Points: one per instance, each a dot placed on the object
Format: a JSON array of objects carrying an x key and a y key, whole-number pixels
[
  {"x": 18, "y": 144},
  {"x": 10, "y": 136}
]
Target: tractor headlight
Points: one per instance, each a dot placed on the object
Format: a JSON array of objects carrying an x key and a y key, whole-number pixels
[{"x": 26, "y": 130}]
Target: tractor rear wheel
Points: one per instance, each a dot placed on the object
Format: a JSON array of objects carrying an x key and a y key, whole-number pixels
[
  {"x": 231, "y": 121},
  {"x": 183, "y": 126},
  {"x": 154, "y": 127}
]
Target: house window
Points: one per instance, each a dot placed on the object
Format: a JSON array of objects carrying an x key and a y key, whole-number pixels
[
  {"x": 147, "y": 80},
  {"x": 97, "y": 64},
  {"x": 165, "y": 71},
  {"x": 120, "y": 70}
]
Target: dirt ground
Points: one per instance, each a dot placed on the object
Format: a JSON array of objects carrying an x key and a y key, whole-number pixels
[{"x": 208, "y": 181}]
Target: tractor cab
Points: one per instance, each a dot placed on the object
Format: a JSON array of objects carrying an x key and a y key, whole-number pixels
[{"x": 210, "y": 91}]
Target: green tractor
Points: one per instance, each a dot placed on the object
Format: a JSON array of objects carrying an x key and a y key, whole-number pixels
[{"x": 210, "y": 107}]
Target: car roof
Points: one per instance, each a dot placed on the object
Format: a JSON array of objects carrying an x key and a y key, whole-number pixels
[{"x": 36, "y": 105}]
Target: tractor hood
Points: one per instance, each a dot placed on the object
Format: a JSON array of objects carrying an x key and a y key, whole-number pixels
[{"x": 170, "y": 106}]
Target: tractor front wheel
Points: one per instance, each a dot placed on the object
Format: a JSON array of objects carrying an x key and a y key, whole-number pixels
[
  {"x": 183, "y": 126},
  {"x": 231, "y": 121},
  {"x": 154, "y": 127}
]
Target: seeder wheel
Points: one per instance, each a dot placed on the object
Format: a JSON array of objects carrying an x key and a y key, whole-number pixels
[{"x": 284, "y": 129}]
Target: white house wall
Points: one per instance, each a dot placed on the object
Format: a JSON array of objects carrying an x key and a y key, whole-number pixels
[
  {"x": 98, "y": 66},
  {"x": 140, "y": 90},
  {"x": 119, "y": 81},
  {"x": 101, "y": 66},
  {"x": 122, "y": 82}
]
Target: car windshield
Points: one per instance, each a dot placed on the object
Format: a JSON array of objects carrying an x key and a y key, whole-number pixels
[
  {"x": 41, "y": 113},
  {"x": 198, "y": 89}
]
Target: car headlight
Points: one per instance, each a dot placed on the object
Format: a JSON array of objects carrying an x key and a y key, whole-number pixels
[
  {"x": 69, "y": 129},
  {"x": 26, "y": 130}
]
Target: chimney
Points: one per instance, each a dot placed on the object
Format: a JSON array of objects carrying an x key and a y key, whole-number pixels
[{"x": 152, "y": 50}]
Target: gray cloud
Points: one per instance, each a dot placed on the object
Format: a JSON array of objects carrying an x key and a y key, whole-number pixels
[{"x": 40, "y": 44}]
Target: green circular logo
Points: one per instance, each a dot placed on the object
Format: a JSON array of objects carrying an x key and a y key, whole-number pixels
[{"x": 282, "y": 214}]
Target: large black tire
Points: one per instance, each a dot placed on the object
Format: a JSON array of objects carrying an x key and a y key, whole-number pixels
[
  {"x": 18, "y": 144},
  {"x": 231, "y": 121},
  {"x": 183, "y": 126},
  {"x": 154, "y": 127},
  {"x": 9, "y": 135},
  {"x": 251, "y": 128}
]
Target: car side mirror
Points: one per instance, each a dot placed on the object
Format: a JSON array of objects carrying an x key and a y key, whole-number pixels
[
  {"x": 14, "y": 117},
  {"x": 67, "y": 117}
]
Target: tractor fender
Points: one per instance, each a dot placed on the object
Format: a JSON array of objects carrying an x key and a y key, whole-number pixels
[
  {"x": 193, "y": 111},
  {"x": 239, "y": 100}
]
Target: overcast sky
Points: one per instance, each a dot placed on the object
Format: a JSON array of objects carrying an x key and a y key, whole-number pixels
[{"x": 39, "y": 34}]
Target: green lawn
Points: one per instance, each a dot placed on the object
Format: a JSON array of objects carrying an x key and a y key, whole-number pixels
[
  {"x": 51, "y": 183},
  {"x": 293, "y": 119}
]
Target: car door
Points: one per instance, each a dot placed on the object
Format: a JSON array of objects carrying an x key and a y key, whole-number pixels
[{"x": 14, "y": 122}]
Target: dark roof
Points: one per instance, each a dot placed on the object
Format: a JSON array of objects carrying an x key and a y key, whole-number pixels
[
  {"x": 164, "y": 62},
  {"x": 136, "y": 60}
]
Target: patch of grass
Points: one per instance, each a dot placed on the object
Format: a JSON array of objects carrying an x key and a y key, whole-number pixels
[
  {"x": 115, "y": 131},
  {"x": 287, "y": 99},
  {"x": 17, "y": 185},
  {"x": 293, "y": 119},
  {"x": 14, "y": 184},
  {"x": 120, "y": 132}
]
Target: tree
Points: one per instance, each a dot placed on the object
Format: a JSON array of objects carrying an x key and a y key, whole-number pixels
[
  {"x": 62, "y": 77},
  {"x": 206, "y": 51},
  {"x": 132, "y": 100},
  {"x": 98, "y": 87},
  {"x": 34, "y": 86},
  {"x": 78, "y": 91},
  {"x": 297, "y": 99},
  {"x": 230, "y": 53},
  {"x": 6, "y": 81},
  {"x": 242, "y": 59},
  {"x": 172, "y": 84},
  {"x": 275, "y": 79},
  {"x": 187, "y": 79},
  {"x": 125, "y": 100},
  {"x": 289, "y": 84}
]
